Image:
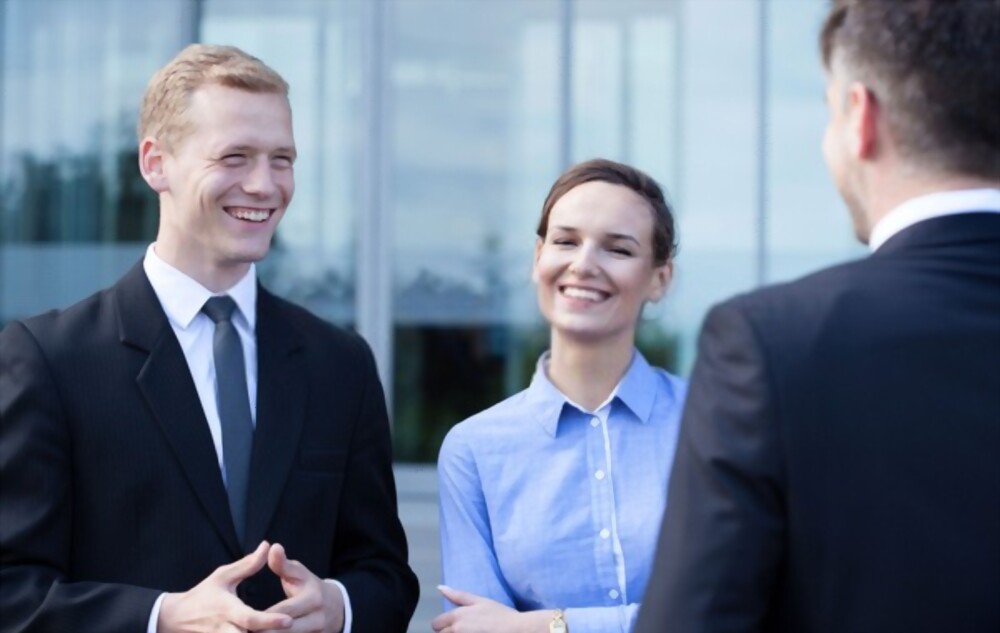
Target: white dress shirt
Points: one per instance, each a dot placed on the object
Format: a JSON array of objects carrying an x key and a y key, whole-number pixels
[
  {"x": 182, "y": 299},
  {"x": 933, "y": 205}
]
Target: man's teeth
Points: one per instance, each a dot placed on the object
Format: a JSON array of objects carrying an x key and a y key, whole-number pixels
[
  {"x": 253, "y": 215},
  {"x": 583, "y": 293}
]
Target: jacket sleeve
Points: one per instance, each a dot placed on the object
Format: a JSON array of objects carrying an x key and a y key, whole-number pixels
[
  {"x": 37, "y": 591},
  {"x": 722, "y": 539},
  {"x": 370, "y": 559}
]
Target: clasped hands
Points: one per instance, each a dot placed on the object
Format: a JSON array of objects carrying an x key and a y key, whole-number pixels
[{"x": 311, "y": 605}]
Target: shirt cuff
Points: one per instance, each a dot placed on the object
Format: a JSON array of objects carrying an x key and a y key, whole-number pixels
[
  {"x": 155, "y": 615},
  {"x": 348, "y": 614},
  {"x": 601, "y": 619}
]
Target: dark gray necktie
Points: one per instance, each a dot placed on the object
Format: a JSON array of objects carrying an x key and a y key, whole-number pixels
[{"x": 233, "y": 406}]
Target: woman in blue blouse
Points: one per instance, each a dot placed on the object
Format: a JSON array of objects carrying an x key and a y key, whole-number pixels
[{"x": 551, "y": 500}]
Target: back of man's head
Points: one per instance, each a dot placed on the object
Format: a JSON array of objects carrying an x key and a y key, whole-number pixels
[
  {"x": 165, "y": 102},
  {"x": 933, "y": 67}
]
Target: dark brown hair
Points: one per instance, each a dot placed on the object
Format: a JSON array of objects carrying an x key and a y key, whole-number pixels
[
  {"x": 602, "y": 170},
  {"x": 933, "y": 67}
]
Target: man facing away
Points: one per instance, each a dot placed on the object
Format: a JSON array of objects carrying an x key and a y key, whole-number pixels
[
  {"x": 185, "y": 451},
  {"x": 839, "y": 460}
]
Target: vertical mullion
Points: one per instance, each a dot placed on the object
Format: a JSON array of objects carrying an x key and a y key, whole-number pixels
[
  {"x": 762, "y": 138},
  {"x": 373, "y": 281},
  {"x": 566, "y": 85}
]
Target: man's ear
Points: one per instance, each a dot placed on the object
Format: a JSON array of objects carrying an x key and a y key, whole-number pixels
[
  {"x": 534, "y": 263},
  {"x": 151, "y": 158},
  {"x": 662, "y": 276},
  {"x": 863, "y": 114}
]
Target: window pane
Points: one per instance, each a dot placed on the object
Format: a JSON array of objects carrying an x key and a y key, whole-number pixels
[
  {"x": 316, "y": 47},
  {"x": 716, "y": 183},
  {"x": 74, "y": 210},
  {"x": 474, "y": 148},
  {"x": 807, "y": 224}
]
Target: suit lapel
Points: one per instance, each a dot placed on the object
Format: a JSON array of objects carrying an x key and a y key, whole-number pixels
[
  {"x": 166, "y": 384},
  {"x": 281, "y": 406}
]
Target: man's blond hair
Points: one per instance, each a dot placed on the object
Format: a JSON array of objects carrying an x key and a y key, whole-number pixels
[{"x": 168, "y": 94}]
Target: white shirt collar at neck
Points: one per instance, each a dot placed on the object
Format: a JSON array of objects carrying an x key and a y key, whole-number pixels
[
  {"x": 932, "y": 206},
  {"x": 182, "y": 297}
]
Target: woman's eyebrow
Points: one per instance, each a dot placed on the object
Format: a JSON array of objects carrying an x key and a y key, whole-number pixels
[{"x": 623, "y": 236}]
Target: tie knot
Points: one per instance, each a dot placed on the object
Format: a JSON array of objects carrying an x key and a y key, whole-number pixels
[{"x": 219, "y": 308}]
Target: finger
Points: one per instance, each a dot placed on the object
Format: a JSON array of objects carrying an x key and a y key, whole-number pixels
[
  {"x": 245, "y": 567},
  {"x": 296, "y": 606},
  {"x": 460, "y": 598},
  {"x": 309, "y": 623},
  {"x": 288, "y": 570},
  {"x": 251, "y": 620},
  {"x": 443, "y": 621},
  {"x": 276, "y": 558}
]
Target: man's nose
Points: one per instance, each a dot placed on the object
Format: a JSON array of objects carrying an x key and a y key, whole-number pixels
[{"x": 260, "y": 181}]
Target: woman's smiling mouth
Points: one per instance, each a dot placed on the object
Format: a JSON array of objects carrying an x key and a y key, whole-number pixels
[{"x": 586, "y": 294}]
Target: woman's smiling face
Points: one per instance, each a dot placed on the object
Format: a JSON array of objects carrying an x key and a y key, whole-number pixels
[{"x": 595, "y": 266}]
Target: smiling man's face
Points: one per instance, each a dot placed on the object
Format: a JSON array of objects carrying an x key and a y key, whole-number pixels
[{"x": 227, "y": 183}]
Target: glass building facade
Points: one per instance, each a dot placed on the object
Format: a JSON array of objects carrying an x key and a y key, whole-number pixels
[{"x": 429, "y": 132}]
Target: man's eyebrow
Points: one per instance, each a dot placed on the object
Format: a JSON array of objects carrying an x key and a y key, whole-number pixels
[{"x": 249, "y": 148}]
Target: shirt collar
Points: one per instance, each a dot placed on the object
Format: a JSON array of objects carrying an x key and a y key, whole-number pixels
[
  {"x": 636, "y": 390},
  {"x": 932, "y": 206},
  {"x": 182, "y": 297}
]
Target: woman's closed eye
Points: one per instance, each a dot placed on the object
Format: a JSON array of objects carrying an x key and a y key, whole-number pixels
[
  {"x": 622, "y": 251},
  {"x": 564, "y": 241}
]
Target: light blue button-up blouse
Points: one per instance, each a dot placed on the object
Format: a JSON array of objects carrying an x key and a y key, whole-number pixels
[{"x": 546, "y": 505}]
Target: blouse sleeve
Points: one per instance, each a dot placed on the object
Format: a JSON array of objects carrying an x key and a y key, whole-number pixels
[
  {"x": 469, "y": 561},
  {"x": 602, "y": 619}
]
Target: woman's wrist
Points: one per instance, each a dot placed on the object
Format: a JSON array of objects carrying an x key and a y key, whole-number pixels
[{"x": 537, "y": 621}]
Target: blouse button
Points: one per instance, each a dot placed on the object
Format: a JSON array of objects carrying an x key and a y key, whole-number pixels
[
  {"x": 599, "y": 474},
  {"x": 605, "y": 533},
  {"x": 613, "y": 594},
  {"x": 594, "y": 422}
]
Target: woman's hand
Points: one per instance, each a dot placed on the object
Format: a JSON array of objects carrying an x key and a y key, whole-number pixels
[{"x": 476, "y": 614}]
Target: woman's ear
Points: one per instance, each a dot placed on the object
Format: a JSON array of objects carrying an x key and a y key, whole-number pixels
[
  {"x": 538, "y": 253},
  {"x": 660, "y": 282}
]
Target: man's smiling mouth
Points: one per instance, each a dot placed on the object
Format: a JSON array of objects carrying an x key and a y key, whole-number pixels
[{"x": 249, "y": 214}]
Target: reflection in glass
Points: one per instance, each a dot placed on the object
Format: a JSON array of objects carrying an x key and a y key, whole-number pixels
[
  {"x": 807, "y": 224},
  {"x": 316, "y": 48},
  {"x": 474, "y": 148},
  {"x": 441, "y": 159},
  {"x": 73, "y": 74}
]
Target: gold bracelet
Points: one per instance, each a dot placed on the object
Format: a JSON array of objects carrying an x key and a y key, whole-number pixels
[{"x": 558, "y": 623}]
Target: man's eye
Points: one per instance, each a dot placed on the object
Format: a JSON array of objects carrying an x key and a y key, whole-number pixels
[
  {"x": 562, "y": 241},
  {"x": 282, "y": 161},
  {"x": 621, "y": 251},
  {"x": 233, "y": 159}
]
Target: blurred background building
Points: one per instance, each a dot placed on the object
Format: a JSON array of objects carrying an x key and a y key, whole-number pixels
[{"x": 429, "y": 132}]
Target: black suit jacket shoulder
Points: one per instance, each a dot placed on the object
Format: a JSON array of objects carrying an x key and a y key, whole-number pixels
[{"x": 837, "y": 463}]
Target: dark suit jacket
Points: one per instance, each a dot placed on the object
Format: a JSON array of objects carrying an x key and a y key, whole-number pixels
[
  {"x": 839, "y": 461},
  {"x": 110, "y": 489}
]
